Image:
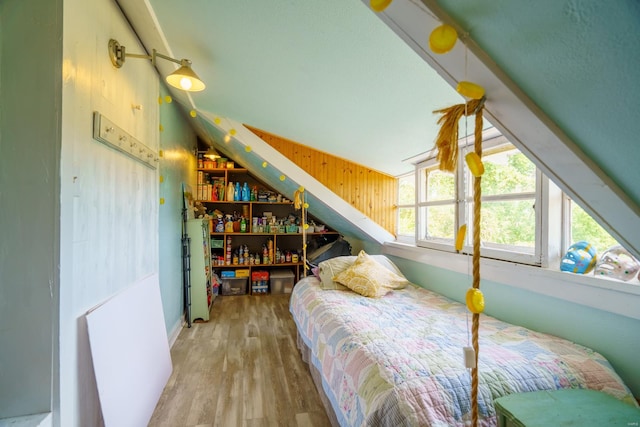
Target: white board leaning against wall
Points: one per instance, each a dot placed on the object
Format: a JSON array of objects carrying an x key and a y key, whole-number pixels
[{"x": 130, "y": 351}]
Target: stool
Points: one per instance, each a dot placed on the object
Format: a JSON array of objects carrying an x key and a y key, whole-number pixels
[{"x": 571, "y": 407}]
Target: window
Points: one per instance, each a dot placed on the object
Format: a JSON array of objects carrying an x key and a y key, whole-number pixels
[
  {"x": 525, "y": 218},
  {"x": 511, "y": 216},
  {"x": 406, "y": 208},
  {"x": 580, "y": 226}
]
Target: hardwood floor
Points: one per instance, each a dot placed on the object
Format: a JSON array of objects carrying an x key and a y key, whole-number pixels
[{"x": 242, "y": 368}]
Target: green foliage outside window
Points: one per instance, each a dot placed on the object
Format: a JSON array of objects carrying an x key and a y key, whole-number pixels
[{"x": 583, "y": 227}]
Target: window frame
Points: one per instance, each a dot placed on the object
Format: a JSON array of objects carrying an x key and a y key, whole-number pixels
[{"x": 492, "y": 141}]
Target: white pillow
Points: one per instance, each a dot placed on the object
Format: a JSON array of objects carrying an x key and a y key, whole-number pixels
[{"x": 369, "y": 278}]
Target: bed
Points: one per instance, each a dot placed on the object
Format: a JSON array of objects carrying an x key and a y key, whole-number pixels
[{"x": 397, "y": 359}]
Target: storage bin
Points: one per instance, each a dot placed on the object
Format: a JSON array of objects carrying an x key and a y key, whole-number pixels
[
  {"x": 242, "y": 272},
  {"x": 259, "y": 282},
  {"x": 281, "y": 281},
  {"x": 234, "y": 285}
]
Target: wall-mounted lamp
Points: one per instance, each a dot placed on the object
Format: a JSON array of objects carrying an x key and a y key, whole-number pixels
[
  {"x": 183, "y": 78},
  {"x": 211, "y": 154}
]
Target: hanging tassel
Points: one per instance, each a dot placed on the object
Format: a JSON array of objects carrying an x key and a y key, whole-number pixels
[{"x": 447, "y": 140}]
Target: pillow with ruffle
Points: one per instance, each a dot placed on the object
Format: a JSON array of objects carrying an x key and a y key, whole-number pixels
[
  {"x": 370, "y": 278},
  {"x": 330, "y": 268}
]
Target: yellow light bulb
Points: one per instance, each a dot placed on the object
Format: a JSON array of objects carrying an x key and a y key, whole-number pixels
[
  {"x": 264, "y": 164},
  {"x": 462, "y": 231},
  {"x": 159, "y": 100},
  {"x": 186, "y": 83},
  {"x": 475, "y": 165},
  {"x": 193, "y": 113},
  {"x": 379, "y": 5},
  {"x": 470, "y": 90},
  {"x": 306, "y": 205},
  {"x": 301, "y": 189},
  {"x": 247, "y": 149},
  {"x": 442, "y": 39},
  {"x": 232, "y": 131},
  {"x": 282, "y": 177},
  {"x": 168, "y": 99},
  {"x": 475, "y": 300},
  {"x": 217, "y": 120}
]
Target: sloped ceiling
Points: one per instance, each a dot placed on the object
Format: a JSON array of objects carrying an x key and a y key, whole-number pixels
[{"x": 561, "y": 79}]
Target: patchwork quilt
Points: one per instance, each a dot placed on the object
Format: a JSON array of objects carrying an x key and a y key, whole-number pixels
[{"x": 398, "y": 360}]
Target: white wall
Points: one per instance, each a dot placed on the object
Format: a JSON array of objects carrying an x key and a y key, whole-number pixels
[{"x": 109, "y": 202}]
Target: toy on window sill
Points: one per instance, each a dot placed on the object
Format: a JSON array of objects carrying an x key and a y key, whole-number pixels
[
  {"x": 617, "y": 263},
  {"x": 580, "y": 258}
]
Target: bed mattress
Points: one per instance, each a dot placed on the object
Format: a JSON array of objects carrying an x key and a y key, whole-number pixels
[{"x": 398, "y": 360}]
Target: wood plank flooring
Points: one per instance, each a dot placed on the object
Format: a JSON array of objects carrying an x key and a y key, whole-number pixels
[{"x": 242, "y": 368}]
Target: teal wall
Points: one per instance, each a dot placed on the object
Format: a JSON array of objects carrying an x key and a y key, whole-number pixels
[
  {"x": 613, "y": 336},
  {"x": 177, "y": 165}
]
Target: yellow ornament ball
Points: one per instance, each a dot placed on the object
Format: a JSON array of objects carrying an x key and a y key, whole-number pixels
[
  {"x": 193, "y": 113},
  {"x": 306, "y": 226},
  {"x": 301, "y": 189},
  {"x": 168, "y": 99},
  {"x": 470, "y": 90},
  {"x": 306, "y": 205},
  {"x": 159, "y": 100},
  {"x": 217, "y": 120},
  {"x": 474, "y": 163},
  {"x": 264, "y": 164},
  {"x": 282, "y": 177},
  {"x": 379, "y": 5},
  {"x": 162, "y": 200},
  {"x": 247, "y": 148},
  {"x": 462, "y": 231},
  {"x": 232, "y": 132},
  {"x": 475, "y": 300},
  {"x": 442, "y": 39}
]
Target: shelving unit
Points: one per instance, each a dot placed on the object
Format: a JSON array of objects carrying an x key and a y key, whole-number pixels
[
  {"x": 269, "y": 223},
  {"x": 201, "y": 289}
]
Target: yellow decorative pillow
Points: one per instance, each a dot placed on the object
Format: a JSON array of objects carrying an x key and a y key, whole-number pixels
[{"x": 369, "y": 278}]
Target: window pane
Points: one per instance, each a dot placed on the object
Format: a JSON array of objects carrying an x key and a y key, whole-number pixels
[
  {"x": 406, "y": 221},
  {"x": 440, "y": 185},
  {"x": 407, "y": 190},
  {"x": 508, "y": 172},
  {"x": 583, "y": 227},
  {"x": 439, "y": 221},
  {"x": 510, "y": 223}
]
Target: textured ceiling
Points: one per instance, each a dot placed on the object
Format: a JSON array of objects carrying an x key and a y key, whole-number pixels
[
  {"x": 327, "y": 74},
  {"x": 561, "y": 79}
]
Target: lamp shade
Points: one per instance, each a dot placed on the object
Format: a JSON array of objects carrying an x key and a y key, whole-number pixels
[{"x": 185, "y": 78}]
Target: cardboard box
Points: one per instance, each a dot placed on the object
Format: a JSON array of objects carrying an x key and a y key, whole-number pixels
[
  {"x": 234, "y": 285},
  {"x": 281, "y": 281}
]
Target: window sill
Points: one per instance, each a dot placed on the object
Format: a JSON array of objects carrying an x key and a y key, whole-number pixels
[{"x": 622, "y": 298}]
